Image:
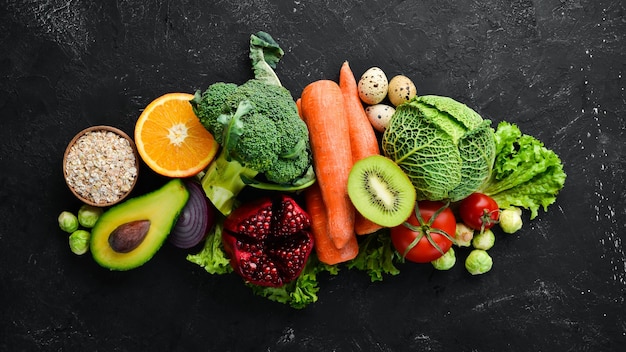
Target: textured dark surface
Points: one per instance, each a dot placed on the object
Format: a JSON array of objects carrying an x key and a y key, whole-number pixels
[{"x": 556, "y": 68}]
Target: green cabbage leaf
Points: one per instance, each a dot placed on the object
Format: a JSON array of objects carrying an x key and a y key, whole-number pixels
[{"x": 444, "y": 147}]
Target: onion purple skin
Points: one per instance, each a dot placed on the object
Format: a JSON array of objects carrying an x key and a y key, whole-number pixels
[{"x": 194, "y": 221}]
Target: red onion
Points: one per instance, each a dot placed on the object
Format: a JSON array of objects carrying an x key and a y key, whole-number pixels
[{"x": 195, "y": 219}]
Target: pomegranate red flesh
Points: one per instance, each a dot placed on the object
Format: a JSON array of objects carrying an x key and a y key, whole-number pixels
[
  {"x": 250, "y": 261},
  {"x": 268, "y": 247},
  {"x": 290, "y": 217},
  {"x": 252, "y": 219},
  {"x": 291, "y": 253}
]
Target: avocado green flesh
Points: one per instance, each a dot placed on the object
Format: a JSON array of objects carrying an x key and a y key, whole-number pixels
[{"x": 161, "y": 207}]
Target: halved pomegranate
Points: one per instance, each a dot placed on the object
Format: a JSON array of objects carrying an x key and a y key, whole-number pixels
[{"x": 268, "y": 241}]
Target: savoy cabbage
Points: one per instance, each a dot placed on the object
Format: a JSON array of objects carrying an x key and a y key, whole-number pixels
[{"x": 445, "y": 147}]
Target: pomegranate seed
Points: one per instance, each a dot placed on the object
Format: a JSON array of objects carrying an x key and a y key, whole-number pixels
[{"x": 267, "y": 240}]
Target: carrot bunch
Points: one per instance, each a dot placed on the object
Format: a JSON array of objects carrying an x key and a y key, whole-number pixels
[{"x": 340, "y": 134}]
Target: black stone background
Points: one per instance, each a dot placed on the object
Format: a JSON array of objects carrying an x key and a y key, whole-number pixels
[{"x": 554, "y": 67}]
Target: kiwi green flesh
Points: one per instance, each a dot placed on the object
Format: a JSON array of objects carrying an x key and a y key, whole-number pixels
[{"x": 381, "y": 191}]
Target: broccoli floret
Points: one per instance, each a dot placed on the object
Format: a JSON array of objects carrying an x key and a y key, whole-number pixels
[
  {"x": 208, "y": 106},
  {"x": 275, "y": 100},
  {"x": 277, "y": 104},
  {"x": 252, "y": 139},
  {"x": 292, "y": 147},
  {"x": 283, "y": 169},
  {"x": 260, "y": 131}
]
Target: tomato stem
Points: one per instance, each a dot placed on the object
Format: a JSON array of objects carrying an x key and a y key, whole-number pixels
[
  {"x": 425, "y": 229},
  {"x": 486, "y": 219},
  {"x": 436, "y": 214},
  {"x": 414, "y": 242}
]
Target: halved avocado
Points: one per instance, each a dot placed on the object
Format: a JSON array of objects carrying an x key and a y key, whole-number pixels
[{"x": 161, "y": 207}]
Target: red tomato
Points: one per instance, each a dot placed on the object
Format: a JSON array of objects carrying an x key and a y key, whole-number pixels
[
  {"x": 423, "y": 251},
  {"x": 479, "y": 211}
]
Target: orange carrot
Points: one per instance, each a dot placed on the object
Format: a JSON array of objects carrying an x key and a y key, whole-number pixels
[
  {"x": 363, "y": 141},
  {"x": 324, "y": 115},
  {"x": 324, "y": 247},
  {"x": 299, "y": 106}
]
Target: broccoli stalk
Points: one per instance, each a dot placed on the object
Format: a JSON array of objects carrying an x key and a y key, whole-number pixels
[
  {"x": 264, "y": 142},
  {"x": 225, "y": 176},
  {"x": 224, "y": 180}
]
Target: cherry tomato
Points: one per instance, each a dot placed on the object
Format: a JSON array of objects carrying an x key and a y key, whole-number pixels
[
  {"x": 423, "y": 251},
  {"x": 479, "y": 211}
]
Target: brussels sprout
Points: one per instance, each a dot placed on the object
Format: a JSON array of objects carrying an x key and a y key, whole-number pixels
[
  {"x": 68, "y": 222},
  {"x": 484, "y": 240},
  {"x": 79, "y": 241},
  {"x": 463, "y": 235},
  {"x": 511, "y": 219},
  {"x": 88, "y": 215},
  {"x": 478, "y": 262},
  {"x": 446, "y": 261}
]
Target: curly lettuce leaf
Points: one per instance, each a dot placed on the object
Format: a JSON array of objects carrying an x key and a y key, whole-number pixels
[
  {"x": 301, "y": 292},
  {"x": 212, "y": 257},
  {"x": 297, "y": 294},
  {"x": 525, "y": 173},
  {"x": 376, "y": 256}
]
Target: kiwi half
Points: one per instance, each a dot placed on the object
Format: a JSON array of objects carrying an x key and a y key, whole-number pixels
[{"x": 381, "y": 191}]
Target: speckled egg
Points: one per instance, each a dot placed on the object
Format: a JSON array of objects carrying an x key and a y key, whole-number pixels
[
  {"x": 373, "y": 86},
  {"x": 401, "y": 89},
  {"x": 379, "y": 115}
]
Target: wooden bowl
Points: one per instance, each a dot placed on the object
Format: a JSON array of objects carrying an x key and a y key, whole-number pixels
[{"x": 101, "y": 165}]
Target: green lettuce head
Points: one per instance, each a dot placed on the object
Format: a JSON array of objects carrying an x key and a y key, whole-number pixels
[{"x": 445, "y": 148}]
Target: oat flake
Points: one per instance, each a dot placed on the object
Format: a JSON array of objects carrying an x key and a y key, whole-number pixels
[{"x": 100, "y": 166}]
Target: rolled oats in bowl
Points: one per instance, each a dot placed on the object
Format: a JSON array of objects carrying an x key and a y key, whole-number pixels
[{"x": 100, "y": 165}]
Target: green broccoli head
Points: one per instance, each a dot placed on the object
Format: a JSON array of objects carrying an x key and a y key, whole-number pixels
[
  {"x": 277, "y": 104},
  {"x": 294, "y": 137},
  {"x": 271, "y": 100},
  {"x": 208, "y": 106},
  {"x": 283, "y": 170},
  {"x": 258, "y": 142},
  {"x": 259, "y": 130},
  {"x": 268, "y": 130}
]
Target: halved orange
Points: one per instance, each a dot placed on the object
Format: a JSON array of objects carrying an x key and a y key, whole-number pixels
[{"x": 170, "y": 138}]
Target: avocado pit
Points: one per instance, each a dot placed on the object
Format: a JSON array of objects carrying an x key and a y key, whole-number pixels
[{"x": 129, "y": 236}]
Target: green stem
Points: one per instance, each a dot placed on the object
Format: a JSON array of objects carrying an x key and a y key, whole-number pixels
[
  {"x": 224, "y": 180},
  {"x": 424, "y": 229}
]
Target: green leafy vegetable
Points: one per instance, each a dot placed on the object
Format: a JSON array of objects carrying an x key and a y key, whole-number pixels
[
  {"x": 478, "y": 261},
  {"x": 88, "y": 215},
  {"x": 446, "y": 261},
  {"x": 525, "y": 174},
  {"x": 300, "y": 292},
  {"x": 212, "y": 257},
  {"x": 376, "y": 256},
  {"x": 484, "y": 240},
  {"x": 511, "y": 219},
  {"x": 68, "y": 222},
  {"x": 264, "y": 142},
  {"x": 79, "y": 241},
  {"x": 297, "y": 294},
  {"x": 446, "y": 148},
  {"x": 265, "y": 53}
]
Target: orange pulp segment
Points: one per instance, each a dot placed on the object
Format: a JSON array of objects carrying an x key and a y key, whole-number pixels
[{"x": 170, "y": 138}]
